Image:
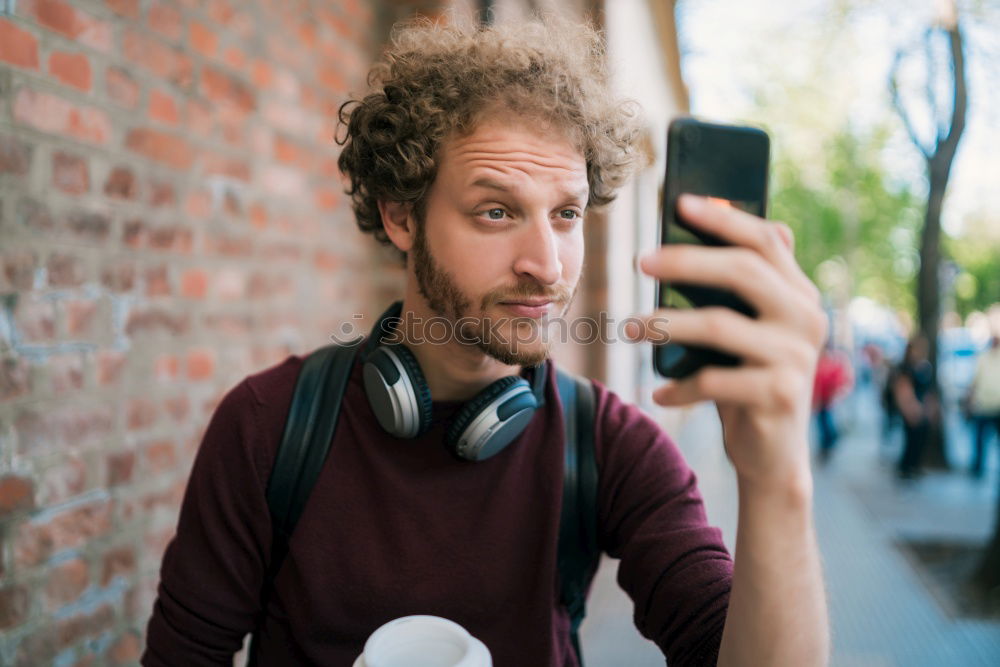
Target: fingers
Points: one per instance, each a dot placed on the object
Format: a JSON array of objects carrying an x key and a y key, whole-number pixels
[
  {"x": 767, "y": 388},
  {"x": 738, "y": 270},
  {"x": 773, "y": 241},
  {"x": 726, "y": 330}
]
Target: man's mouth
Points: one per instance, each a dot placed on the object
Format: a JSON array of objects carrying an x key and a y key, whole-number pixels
[{"x": 533, "y": 308}]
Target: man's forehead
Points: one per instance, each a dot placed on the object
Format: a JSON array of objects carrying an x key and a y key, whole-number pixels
[{"x": 513, "y": 146}]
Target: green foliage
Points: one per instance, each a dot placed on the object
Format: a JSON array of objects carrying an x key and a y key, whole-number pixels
[
  {"x": 977, "y": 253},
  {"x": 844, "y": 205}
]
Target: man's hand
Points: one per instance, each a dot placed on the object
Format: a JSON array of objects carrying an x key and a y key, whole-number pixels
[
  {"x": 777, "y": 608},
  {"x": 765, "y": 403}
]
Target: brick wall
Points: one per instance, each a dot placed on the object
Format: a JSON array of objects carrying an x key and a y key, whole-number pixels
[{"x": 171, "y": 219}]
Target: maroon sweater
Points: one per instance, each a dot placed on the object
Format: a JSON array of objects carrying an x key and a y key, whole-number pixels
[{"x": 396, "y": 527}]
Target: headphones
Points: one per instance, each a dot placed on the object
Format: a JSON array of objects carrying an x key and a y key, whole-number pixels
[{"x": 401, "y": 400}]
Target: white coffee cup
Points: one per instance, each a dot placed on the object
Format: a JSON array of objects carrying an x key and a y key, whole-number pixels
[{"x": 423, "y": 641}]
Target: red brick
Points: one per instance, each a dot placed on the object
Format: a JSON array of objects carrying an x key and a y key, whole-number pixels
[
  {"x": 65, "y": 373},
  {"x": 70, "y": 173},
  {"x": 125, "y": 650},
  {"x": 198, "y": 204},
  {"x": 160, "y": 456},
  {"x": 17, "y": 47},
  {"x": 225, "y": 89},
  {"x": 162, "y": 194},
  {"x": 15, "y": 603},
  {"x": 63, "y": 18},
  {"x": 35, "y": 319},
  {"x": 15, "y": 155},
  {"x": 194, "y": 284},
  {"x": 178, "y": 408},
  {"x": 118, "y": 562},
  {"x": 331, "y": 77},
  {"x": 153, "y": 319},
  {"x": 263, "y": 74},
  {"x": 88, "y": 225},
  {"x": 203, "y": 39},
  {"x": 118, "y": 276},
  {"x": 258, "y": 215},
  {"x": 325, "y": 260},
  {"x": 200, "y": 364},
  {"x": 166, "y": 368},
  {"x": 16, "y": 493},
  {"x": 121, "y": 184},
  {"x": 161, "y": 147},
  {"x": 231, "y": 246},
  {"x": 141, "y": 414},
  {"x": 230, "y": 284},
  {"x": 65, "y": 270},
  {"x": 327, "y": 199},
  {"x": 163, "y": 108},
  {"x": 49, "y": 113},
  {"x": 60, "y": 426},
  {"x": 64, "y": 480},
  {"x": 127, "y": 8},
  {"x": 120, "y": 467},
  {"x": 71, "y": 630},
  {"x": 225, "y": 166},
  {"x": 66, "y": 581},
  {"x": 165, "y": 61},
  {"x": 166, "y": 20},
  {"x": 199, "y": 117},
  {"x": 15, "y": 381},
  {"x": 19, "y": 268},
  {"x": 157, "y": 281},
  {"x": 235, "y": 58},
  {"x": 176, "y": 238},
  {"x": 72, "y": 528},
  {"x": 121, "y": 87},
  {"x": 80, "y": 316},
  {"x": 109, "y": 366},
  {"x": 73, "y": 69}
]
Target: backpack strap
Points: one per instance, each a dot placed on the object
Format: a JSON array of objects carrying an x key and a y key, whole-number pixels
[
  {"x": 579, "y": 553},
  {"x": 309, "y": 429}
]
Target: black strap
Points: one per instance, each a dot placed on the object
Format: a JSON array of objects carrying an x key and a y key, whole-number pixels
[
  {"x": 309, "y": 428},
  {"x": 579, "y": 553}
]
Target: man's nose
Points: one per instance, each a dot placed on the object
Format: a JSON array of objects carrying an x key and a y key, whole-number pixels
[{"x": 538, "y": 252}]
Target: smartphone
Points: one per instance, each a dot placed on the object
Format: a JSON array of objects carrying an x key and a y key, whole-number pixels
[{"x": 730, "y": 164}]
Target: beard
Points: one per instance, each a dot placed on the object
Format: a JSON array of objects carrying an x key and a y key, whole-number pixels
[{"x": 514, "y": 341}]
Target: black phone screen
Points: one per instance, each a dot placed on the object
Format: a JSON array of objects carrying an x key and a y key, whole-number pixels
[{"x": 728, "y": 163}]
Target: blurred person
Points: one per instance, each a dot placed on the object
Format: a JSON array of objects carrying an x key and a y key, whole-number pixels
[
  {"x": 983, "y": 400},
  {"x": 913, "y": 394},
  {"x": 833, "y": 380},
  {"x": 477, "y": 155}
]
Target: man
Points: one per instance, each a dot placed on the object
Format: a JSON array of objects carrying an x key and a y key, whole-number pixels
[
  {"x": 477, "y": 156},
  {"x": 984, "y": 402},
  {"x": 913, "y": 391}
]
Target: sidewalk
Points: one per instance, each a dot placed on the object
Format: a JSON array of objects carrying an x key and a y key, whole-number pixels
[{"x": 882, "y": 613}]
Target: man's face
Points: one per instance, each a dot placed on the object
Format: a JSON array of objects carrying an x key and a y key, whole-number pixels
[{"x": 500, "y": 247}]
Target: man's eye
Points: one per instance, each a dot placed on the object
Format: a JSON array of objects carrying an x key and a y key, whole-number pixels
[
  {"x": 496, "y": 214},
  {"x": 569, "y": 214}
]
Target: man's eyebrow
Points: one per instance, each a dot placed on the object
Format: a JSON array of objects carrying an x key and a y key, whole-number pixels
[{"x": 491, "y": 184}]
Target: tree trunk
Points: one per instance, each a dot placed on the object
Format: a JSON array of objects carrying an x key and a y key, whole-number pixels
[{"x": 929, "y": 293}]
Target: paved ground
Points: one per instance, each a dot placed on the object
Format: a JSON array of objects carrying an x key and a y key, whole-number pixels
[{"x": 884, "y": 613}]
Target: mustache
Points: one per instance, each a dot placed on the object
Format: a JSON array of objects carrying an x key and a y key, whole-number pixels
[{"x": 555, "y": 293}]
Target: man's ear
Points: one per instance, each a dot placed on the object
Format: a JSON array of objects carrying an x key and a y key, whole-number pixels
[{"x": 397, "y": 220}]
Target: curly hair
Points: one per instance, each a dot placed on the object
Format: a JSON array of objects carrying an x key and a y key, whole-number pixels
[{"x": 437, "y": 80}]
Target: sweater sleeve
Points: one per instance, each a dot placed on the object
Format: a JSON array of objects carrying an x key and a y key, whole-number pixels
[
  {"x": 212, "y": 570},
  {"x": 674, "y": 565}
]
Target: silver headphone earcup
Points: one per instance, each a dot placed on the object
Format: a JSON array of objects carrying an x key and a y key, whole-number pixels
[
  {"x": 492, "y": 419},
  {"x": 397, "y": 392}
]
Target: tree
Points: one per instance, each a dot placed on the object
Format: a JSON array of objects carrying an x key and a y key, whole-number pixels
[{"x": 939, "y": 157}]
